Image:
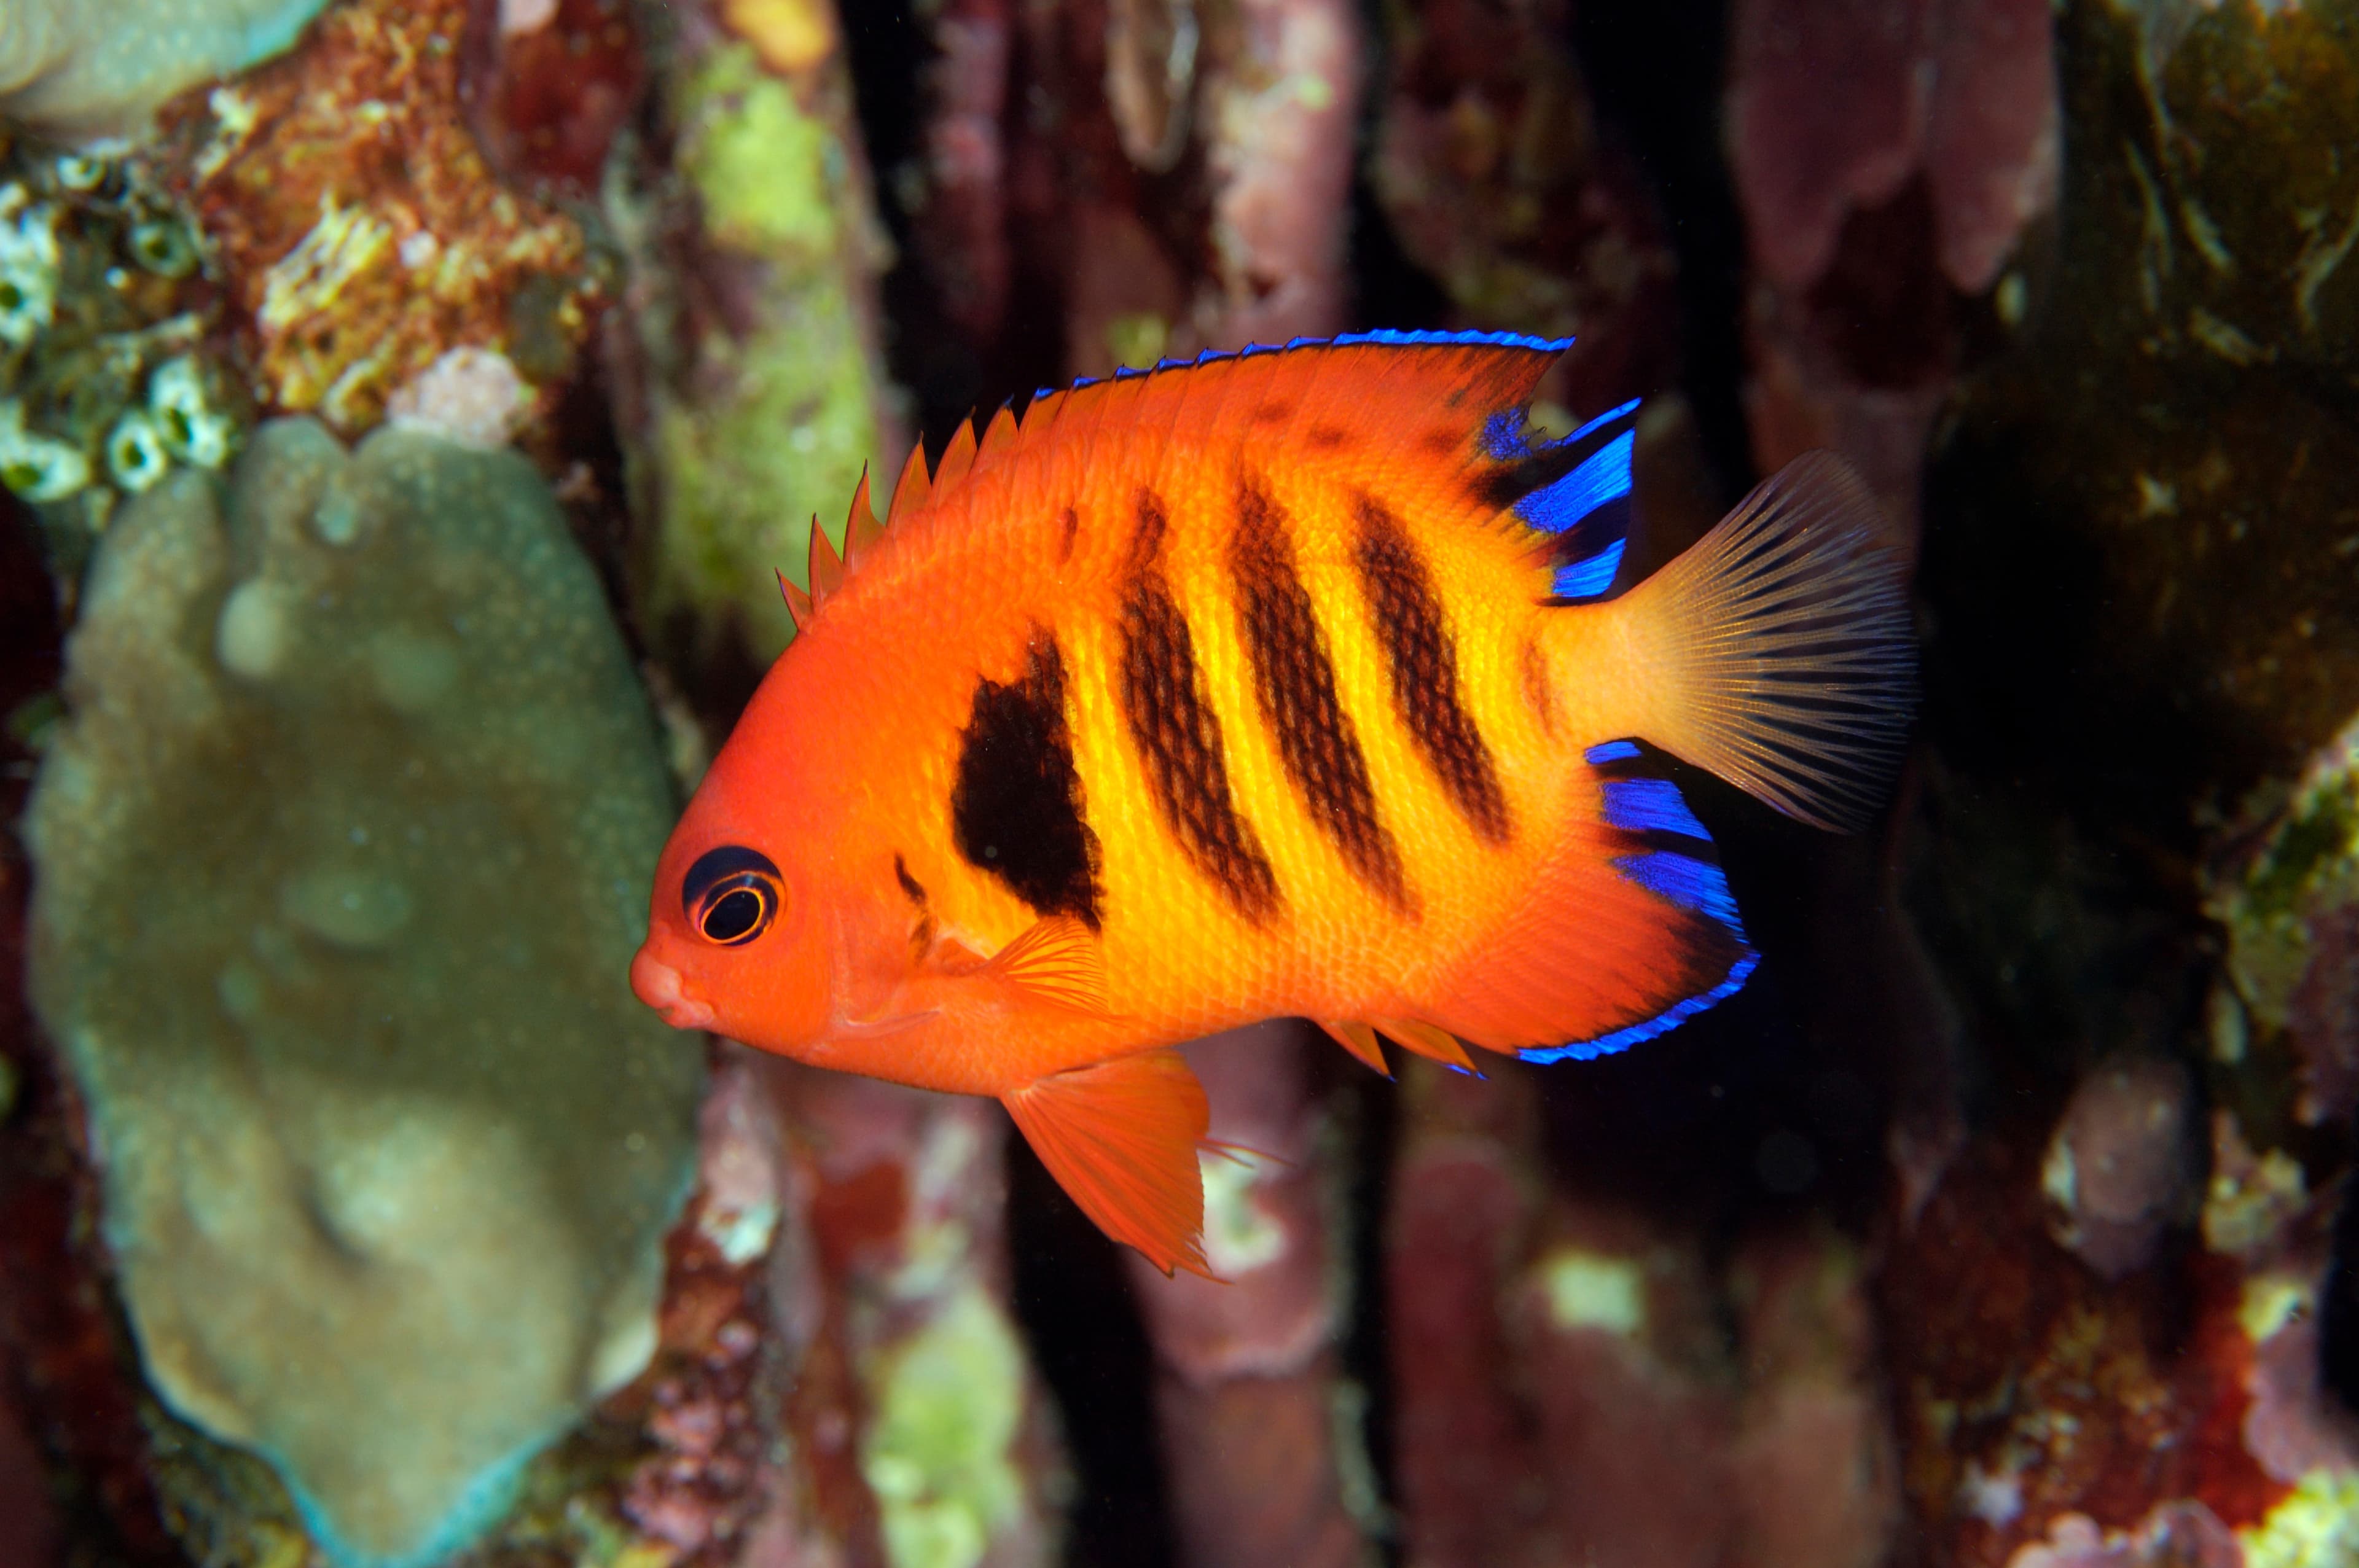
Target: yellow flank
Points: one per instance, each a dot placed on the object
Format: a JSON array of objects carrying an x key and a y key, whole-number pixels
[{"x": 1176, "y": 947}]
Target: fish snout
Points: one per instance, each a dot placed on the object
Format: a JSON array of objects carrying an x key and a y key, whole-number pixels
[{"x": 657, "y": 984}]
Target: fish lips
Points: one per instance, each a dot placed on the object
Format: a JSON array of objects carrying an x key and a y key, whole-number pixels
[{"x": 658, "y": 984}]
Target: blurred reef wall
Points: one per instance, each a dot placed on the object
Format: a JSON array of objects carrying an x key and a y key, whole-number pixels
[{"x": 401, "y": 420}]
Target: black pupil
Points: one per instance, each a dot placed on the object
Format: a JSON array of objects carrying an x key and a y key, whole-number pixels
[{"x": 738, "y": 913}]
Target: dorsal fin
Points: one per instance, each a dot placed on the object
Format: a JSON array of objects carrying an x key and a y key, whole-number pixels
[
  {"x": 1430, "y": 422},
  {"x": 861, "y": 529},
  {"x": 1000, "y": 434},
  {"x": 957, "y": 458},
  {"x": 910, "y": 491},
  {"x": 799, "y": 604},
  {"x": 826, "y": 569}
]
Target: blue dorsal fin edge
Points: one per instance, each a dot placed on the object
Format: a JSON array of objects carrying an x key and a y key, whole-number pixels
[
  {"x": 1385, "y": 337},
  {"x": 1688, "y": 875}
]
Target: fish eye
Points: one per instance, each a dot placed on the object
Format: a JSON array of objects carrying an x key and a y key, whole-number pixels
[{"x": 731, "y": 894}]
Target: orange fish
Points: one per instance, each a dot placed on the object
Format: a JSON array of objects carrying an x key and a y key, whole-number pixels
[{"x": 1277, "y": 683}]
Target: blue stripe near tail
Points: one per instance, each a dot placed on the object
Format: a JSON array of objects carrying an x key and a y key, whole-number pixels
[
  {"x": 1587, "y": 507},
  {"x": 1678, "y": 864}
]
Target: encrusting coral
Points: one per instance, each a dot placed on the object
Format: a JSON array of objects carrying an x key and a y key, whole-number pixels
[{"x": 339, "y": 862}]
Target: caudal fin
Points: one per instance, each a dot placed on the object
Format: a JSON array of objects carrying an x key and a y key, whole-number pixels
[{"x": 1779, "y": 648}]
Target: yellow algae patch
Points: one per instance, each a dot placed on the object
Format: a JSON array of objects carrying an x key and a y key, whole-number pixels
[
  {"x": 1591, "y": 1290},
  {"x": 2317, "y": 1526},
  {"x": 789, "y": 35}
]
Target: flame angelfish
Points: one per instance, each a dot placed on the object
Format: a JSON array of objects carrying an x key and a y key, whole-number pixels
[{"x": 1272, "y": 685}]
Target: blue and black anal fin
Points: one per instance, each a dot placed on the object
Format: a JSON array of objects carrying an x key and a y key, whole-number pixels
[
  {"x": 1576, "y": 490},
  {"x": 1658, "y": 843}
]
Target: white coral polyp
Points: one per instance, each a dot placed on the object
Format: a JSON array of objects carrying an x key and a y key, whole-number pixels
[
  {"x": 190, "y": 429},
  {"x": 28, "y": 267},
  {"x": 37, "y": 466}
]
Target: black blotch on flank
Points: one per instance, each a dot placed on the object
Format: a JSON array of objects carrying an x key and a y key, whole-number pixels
[
  {"x": 1441, "y": 443},
  {"x": 1179, "y": 738},
  {"x": 1423, "y": 661},
  {"x": 1326, "y": 438},
  {"x": 1072, "y": 526},
  {"x": 1016, "y": 810},
  {"x": 909, "y": 885},
  {"x": 1293, "y": 678}
]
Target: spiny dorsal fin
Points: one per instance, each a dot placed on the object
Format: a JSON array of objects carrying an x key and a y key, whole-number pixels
[
  {"x": 799, "y": 604},
  {"x": 826, "y": 569},
  {"x": 911, "y": 491},
  {"x": 1121, "y": 1138},
  {"x": 1444, "y": 409},
  {"x": 861, "y": 529},
  {"x": 1000, "y": 433},
  {"x": 957, "y": 458},
  {"x": 1056, "y": 960},
  {"x": 1359, "y": 1041}
]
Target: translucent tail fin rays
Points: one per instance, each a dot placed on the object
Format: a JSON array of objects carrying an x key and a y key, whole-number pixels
[{"x": 1783, "y": 649}]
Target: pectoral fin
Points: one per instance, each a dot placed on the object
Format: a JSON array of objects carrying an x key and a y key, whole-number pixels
[
  {"x": 1121, "y": 1137},
  {"x": 1057, "y": 961}
]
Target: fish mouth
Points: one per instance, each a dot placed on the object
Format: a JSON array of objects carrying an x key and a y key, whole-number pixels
[{"x": 658, "y": 984}]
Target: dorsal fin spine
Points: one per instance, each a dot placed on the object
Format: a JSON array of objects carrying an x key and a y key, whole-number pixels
[
  {"x": 1001, "y": 432},
  {"x": 826, "y": 569},
  {"x": 957, "y": 458},
  {"x": 861, "y": 529},
  {"x": 799, "y": 604},
  {"x": 910, "y": 491}
]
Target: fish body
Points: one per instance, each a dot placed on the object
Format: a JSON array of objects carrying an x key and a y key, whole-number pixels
[{"x": 1255, "y": 687}]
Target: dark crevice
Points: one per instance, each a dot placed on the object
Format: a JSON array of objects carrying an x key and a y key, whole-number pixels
[{"x": 1654, "y": 71}]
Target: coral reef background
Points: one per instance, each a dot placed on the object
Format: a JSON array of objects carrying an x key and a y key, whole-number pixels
[{"x": 402, "y": 409}]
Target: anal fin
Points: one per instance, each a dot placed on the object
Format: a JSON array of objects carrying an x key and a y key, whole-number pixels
[
  {"x": 1360, "y": 1040},
  {"x": 1428, "y": 1040},
  {"x": 1121, "y": 1137}
]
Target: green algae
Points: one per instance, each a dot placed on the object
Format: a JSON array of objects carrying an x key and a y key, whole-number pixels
[
  {"x": 760, "y": 164},
  {"x": 340, "y": 858},
  {"x": 2306, "y": 867},
  {"x": 2142, "y": 512},
  {"x": 949, "y": 1403},
  {"x": 757, "y": 425}
]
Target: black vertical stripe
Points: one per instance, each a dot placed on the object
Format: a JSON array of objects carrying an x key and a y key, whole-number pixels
[
  {"x": 1016, "y": 808},
  {"x": 1423, "y": 661},
  {"x": 1179, "y": 735},
  {"x": 1294, "y": 678},
  {"x": 1147, "y": 544}
]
